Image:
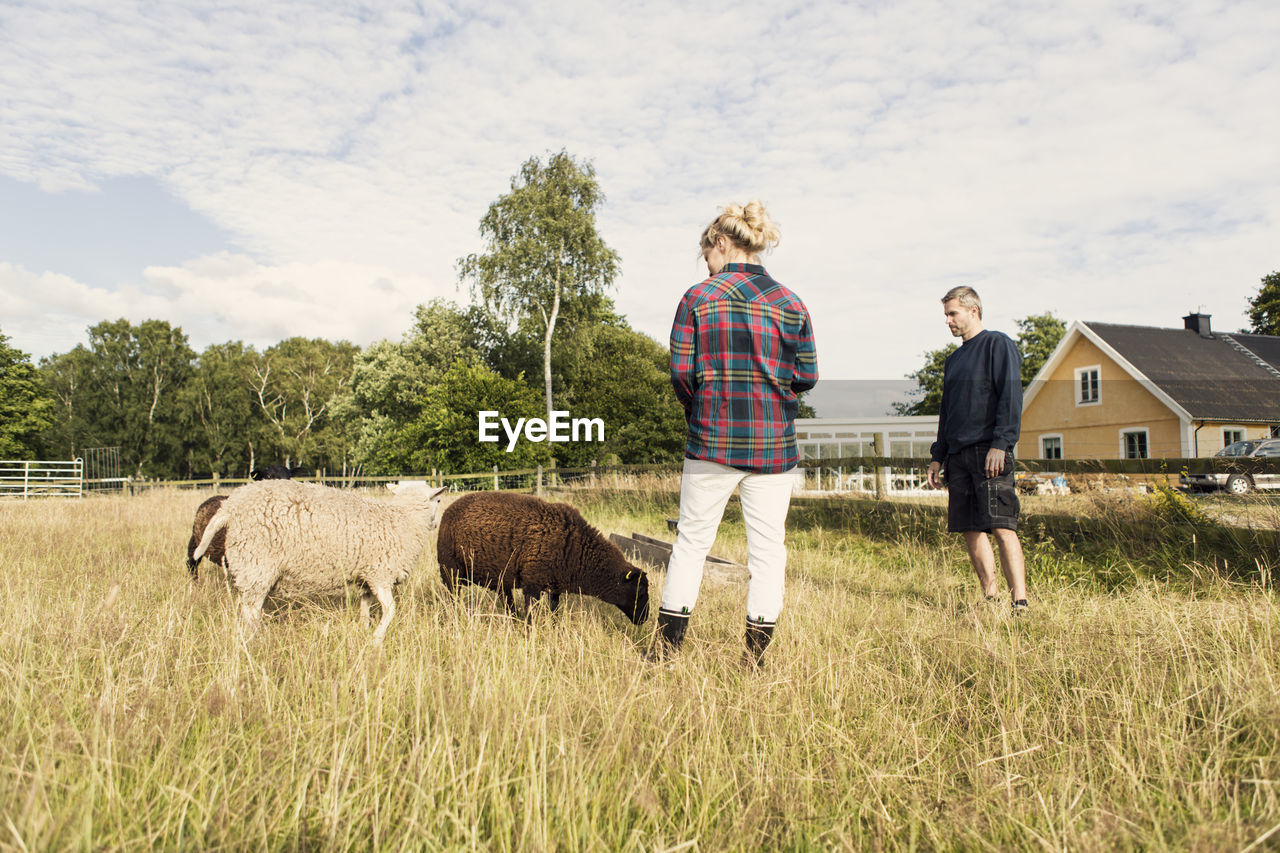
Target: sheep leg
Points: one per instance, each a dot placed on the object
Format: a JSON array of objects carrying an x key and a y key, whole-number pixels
[
  {"x": 450, "y": 577},
  {"x": 508, "y": 599},
  {"x": 532, "y": 595},
  {"x": 388, "y": 604},
  {"x": 251, "y": 611},
  {"x": 555, "y": 600}
]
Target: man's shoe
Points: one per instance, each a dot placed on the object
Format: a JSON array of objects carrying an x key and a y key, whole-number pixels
[{"x": 1021, "y": 608}]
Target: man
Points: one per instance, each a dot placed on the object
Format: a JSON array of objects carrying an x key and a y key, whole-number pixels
[{"x": 977, "y": 429}]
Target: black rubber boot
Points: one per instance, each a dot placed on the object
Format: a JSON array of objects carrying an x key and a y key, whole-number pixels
[
  {"x": 671, "y": 628},
  {"x": 758, "y": 638}
]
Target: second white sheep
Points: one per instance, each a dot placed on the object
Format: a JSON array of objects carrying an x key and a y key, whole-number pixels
[{"x": 302, "y": 539}]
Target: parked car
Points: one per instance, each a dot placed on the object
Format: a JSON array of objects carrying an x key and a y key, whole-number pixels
[{"x": 1239, "y": 484}]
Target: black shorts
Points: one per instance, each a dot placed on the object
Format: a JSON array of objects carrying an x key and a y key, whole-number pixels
[{"x": 976, "y": 501}]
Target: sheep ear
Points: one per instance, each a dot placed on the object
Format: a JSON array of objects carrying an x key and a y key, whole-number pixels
[{"x": 437, "y": 494}]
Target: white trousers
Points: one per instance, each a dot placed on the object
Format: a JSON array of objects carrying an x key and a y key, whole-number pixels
[{"x": 705, "y": 488}]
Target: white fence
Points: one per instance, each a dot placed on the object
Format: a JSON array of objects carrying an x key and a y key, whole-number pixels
[{"x": 37, "y": 479}]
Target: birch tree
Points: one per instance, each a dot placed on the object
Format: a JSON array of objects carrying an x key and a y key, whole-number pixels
[
  {"x": 295, "y": 384},
  {"x": 541, "y": 246}
]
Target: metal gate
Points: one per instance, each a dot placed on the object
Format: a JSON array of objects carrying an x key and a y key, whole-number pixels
[
  {"x": 41, "y": 479},
  {"x": 102, "y": 469}
]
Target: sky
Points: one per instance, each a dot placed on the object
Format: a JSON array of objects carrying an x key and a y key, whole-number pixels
[{"x": 254, "y": 172}]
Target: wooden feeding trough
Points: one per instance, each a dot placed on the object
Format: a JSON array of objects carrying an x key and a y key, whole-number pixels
[{"x": 646, "y": 549}]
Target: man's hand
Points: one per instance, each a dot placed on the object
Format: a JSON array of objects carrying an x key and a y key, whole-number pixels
[
  {"x": 934, "y": 477},
  {"x": 995, "y": 463}
]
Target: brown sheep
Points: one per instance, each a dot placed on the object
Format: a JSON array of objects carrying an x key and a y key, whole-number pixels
[
  {"x": 217, "y": 552},
  {"x": 502, "y": 540}
]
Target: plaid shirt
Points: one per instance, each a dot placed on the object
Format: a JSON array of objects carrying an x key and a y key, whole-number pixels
[{"x": 741, "y": 350}]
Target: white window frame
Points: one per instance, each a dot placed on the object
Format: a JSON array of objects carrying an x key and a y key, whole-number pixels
[
  {"x": 1244, "y": 434},
  {"x": 1076, "y": 392},
  {"x": 1146, "y": 440},
  {"x": 1061, "y": 444}
]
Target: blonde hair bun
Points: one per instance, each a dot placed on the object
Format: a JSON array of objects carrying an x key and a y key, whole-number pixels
[{"x": 748, "y": 227}]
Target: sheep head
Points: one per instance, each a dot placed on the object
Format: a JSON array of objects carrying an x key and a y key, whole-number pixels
[
  {"x": 421, "y": 499},
  {"x": 630, "y": 594}
]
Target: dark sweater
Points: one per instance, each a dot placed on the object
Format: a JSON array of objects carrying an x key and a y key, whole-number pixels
[{"x": 981, "y": 395}]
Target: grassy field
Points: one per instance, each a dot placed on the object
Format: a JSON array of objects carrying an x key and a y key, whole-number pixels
[{"x": 1138, "y": 708}]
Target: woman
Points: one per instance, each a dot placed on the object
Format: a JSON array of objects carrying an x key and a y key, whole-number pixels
[{"x": 741, "y": 350}]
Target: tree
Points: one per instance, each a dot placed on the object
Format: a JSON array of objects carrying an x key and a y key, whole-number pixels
[
  {"x": 220, "y": 411},
  {"x": 928, "y": 390},
  {"x": 296, "y": 383},
  {"x": 620, "y": 375},
  {"x": 542, "y": 248},
  {"x": 1038, "y": 335},
  {"x": 26, "y": 406},
  {"x": 390, "y": 380},
  {"x": 122, "y": 390},
  {"x": 69, "y": 377},
  {"x": 445, "y": 435},
  {"x": 144, "y": 366},
  {"x": 1264, "y": 309}
]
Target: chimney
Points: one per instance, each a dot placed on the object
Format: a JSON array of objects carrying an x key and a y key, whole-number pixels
[{"x": 1198, "y": 323}]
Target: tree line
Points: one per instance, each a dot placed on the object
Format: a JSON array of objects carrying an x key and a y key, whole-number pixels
[{"x": 390, "y": 408}]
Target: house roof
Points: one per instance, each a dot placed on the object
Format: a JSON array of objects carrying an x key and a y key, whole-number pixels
[
  {"x": 1210, "y": 378},
  {"x": 1266, "y": 347}
]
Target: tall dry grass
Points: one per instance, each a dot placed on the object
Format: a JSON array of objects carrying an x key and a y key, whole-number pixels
[{"x": 896, "y": 711}]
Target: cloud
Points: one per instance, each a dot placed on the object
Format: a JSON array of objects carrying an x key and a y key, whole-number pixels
[
  {"x": 1106, "y": 161},
  {"x": 220, "y": 297},
  {"x": 49, "y": 312}
]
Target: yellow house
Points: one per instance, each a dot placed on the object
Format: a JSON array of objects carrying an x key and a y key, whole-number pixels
[{"x": 1111, "y": 391}]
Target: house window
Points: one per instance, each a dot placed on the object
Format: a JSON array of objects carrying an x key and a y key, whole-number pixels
[
  {"x": 1133, "y": 444},
  {"x": 1275, "y": 430},
  {"x": 1230, "y": 435},
  {"x": 1050, "y": 447},
  {"x": 1088, "y": 385}
]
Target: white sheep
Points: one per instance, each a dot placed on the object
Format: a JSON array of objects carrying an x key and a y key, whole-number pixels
[
  {"x": 300, "y": 539},
  {"x": 401, "y": 486}
]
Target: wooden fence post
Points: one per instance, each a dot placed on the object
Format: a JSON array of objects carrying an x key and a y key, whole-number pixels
[
  {"x": 538, "y": 491},
  {"x": 882, "y": 474}
]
